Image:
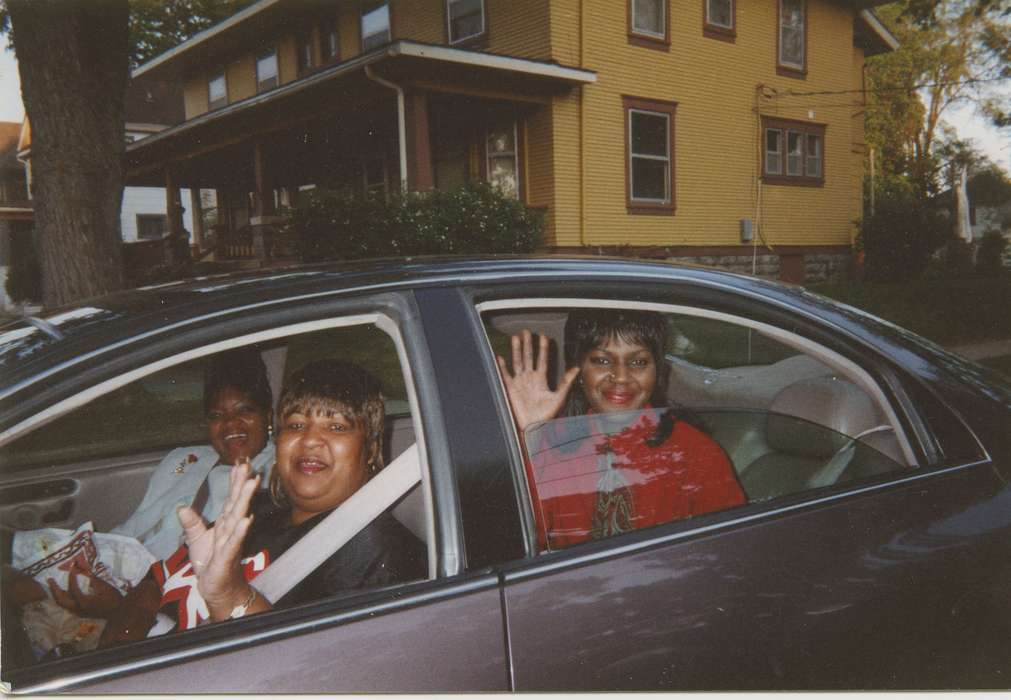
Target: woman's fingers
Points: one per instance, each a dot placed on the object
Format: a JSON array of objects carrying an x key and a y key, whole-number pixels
[{"x": 528, "y": 350}]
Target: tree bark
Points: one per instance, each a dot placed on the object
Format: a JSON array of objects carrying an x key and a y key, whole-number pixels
[{"x": 73, "y": 63}]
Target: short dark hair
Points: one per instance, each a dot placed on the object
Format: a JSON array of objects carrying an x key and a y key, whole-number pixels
[
  {"x": 588, "y": 329},
  {"x": 240, "y": 369}
]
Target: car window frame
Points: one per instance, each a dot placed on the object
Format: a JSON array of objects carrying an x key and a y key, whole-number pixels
[
  {"x": 397, "y": 311},
  {"x": 606, "y": 295}
]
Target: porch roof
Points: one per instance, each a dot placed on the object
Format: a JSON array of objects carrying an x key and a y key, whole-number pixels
[{"x": 406, "y": 63}]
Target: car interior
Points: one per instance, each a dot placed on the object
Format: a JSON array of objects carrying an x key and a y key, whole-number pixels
[
  {"x": 61, "y": 473},
  {"x": 790, "y": 416}
]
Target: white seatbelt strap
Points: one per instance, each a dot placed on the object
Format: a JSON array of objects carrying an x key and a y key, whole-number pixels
[{"x": 334, "y": 531}]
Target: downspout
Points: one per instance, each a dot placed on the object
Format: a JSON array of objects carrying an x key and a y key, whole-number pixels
[
  {"x": 582, "y": 133},
  {"x": 401, "y": 122}
]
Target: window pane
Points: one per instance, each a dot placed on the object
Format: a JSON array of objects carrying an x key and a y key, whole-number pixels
[
  {"x": 721, "y": 12},
  {"x": 794, "y": 154},
  {"x": 649, "y": 179},
  {"x": 216, "y": 92},
  {"x": 647, "y": 16},
  {"x": 376, "y": 27},
  {"x": 502, "y": 141},
  {"x": 791, "y": 32},
  {"x": 502, "y": 174},
  {"x": 813, "y": 155},
  {"x": 304, "y": 54},
  {"x": 649, "y": 133},
  {"x": 773, "y": 151},
  {"x": 466, "y": 18},
  {"x": 266, "y": 71}
]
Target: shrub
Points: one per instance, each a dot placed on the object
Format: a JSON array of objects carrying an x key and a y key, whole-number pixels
[
  {"x": 902, "y": 235},
  {"x": 472, "y": 219},
  {"x": 990, "y": 256}
]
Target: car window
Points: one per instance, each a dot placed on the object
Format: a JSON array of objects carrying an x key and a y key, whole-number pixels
[
  {"x": 734, "y": 413},
  {"x": 74, "y": 488}
]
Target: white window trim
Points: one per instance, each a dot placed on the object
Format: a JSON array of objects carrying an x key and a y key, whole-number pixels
[
  {"x": 852, "y": 371},
  {"x": 449, "y": 23},
  {"x": 711, "y": 22},
  {"x": 799, "y": 155},
  {"x": 632, "y": 155},
  {"x": 803, "y": 37},
  {"x": 662, "y": 34},
  {"x": 808, "y": 157}
]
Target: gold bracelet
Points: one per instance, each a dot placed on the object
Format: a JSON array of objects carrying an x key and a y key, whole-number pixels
[{"x": 240, "y": 610}]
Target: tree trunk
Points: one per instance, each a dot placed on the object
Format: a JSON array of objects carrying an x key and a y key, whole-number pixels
[{"x": 72, "y": 58}]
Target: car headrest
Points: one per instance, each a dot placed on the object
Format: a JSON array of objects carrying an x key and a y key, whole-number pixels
[{"x": 819, "y": 403}]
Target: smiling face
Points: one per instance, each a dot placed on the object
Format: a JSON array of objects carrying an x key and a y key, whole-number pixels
[
  {"x": 618, "y": 376},
  {"x": 321, "y": 460},
  {"x": 236, "y": 425}
]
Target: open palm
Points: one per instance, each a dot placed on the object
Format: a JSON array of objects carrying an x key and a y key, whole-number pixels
[{"x": 529, "y": 395}]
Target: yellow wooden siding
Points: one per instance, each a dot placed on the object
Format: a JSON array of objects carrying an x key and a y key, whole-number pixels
[
  {"x": 566, "y": 16},
  {"x": 565, "y": 159},
  {"x": 287, "y": 59},
  {"x": 716, "y": 135},
  {"x": 241, "y": 78},
  {"x": 195, "y": 97},
  {"x": 419, "y": 20},
  {"x": 519, "y": 28},
  {"x": 858, "y": 150},
  {"x": 539, "y": 163}
]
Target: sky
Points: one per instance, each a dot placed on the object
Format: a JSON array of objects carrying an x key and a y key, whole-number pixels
[{"x": 986, "y": 138}]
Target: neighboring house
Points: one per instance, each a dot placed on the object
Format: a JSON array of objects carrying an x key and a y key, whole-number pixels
[
  {"x": 15, "y": 207},
  {"x": 996, "y": 218},
  {"x": 710, "y": 130},
  {"x": 149, "y": 107}
]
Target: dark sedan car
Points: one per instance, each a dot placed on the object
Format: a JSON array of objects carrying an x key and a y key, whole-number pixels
[{"x": 868, "y": 543}]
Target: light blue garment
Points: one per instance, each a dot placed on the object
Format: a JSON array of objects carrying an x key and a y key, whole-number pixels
[{"x": 174, "y": 483}]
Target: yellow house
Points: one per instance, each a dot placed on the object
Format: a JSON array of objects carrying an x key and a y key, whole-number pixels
[{"x": 710, "y": 130}]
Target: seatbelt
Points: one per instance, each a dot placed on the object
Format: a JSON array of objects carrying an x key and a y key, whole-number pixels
[{"x": 334, "y": 531}]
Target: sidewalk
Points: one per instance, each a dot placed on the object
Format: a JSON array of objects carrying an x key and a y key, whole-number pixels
[{"x": 983, "y": 351}]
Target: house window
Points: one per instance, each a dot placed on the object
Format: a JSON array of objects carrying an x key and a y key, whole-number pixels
[
  {"x": 649, "y": 128},
  {"x": 304, "y": 58},
  {"x": 329, "y": 41},
  {"x": 794, "y": 152},
  {"x": 502, "y": 156},
  {"x": 375, "y": 26},
  {"x": 720, "y": 20},
  {"x": 266, "y": 70},
  {"x": 792, "y": 37},
  {"x": 374, "y": 176},
  {"x": 648, "y": 23},
  {"x": 151, "y": 227},
  {"x": 217, "y": 92},
  {"x": 465, "y": 18}
]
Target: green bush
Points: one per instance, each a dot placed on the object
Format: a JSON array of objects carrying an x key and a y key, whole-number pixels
[
  {"x": 473, "y": 219},
  {"x": 24, "y": 276},
  {"x": 902, "y": 235},
  {"x": 990, "y": 256}
]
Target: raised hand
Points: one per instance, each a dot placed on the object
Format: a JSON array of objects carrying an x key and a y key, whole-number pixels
[
  {"x": 215, "y": 552},
  {"x": 531, "y": 399}
]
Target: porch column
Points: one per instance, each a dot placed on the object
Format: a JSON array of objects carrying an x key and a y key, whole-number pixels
[
  {"x": 263, "y": 202},
  {"x": 419, "y": 147},
  {"x": 177, "y": 243},
  {"x": 197, "y": 207}
]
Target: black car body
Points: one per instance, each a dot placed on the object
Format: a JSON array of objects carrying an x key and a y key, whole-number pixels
[{"x": 879, "y": 577}]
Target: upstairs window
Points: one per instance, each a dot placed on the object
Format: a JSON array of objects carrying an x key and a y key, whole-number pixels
[
  {"x": 465, "y": 19},
  {"x": 304, "y": 58},
  {"x": 375, "y": 25},
  {"x": 648, "y": 23},
  {"x": 720, "y": 20},
  {"x": 329, "y": 41},
  {"x": 793, "y": 152},
  {"x": 217, "y": 91},
  {"x": 792, "y": 37},
  {"x": 650, "y": 130},
  {"x": 266, "y": 70}
]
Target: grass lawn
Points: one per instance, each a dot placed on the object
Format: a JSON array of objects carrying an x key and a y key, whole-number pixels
[{"x": 948, "y": 311}]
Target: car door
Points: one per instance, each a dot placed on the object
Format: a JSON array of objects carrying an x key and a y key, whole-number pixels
[
  {"x": 886, "y": 579},
  {"x": 443, "y": 633}
]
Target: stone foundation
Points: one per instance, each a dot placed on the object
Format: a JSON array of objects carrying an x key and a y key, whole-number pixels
[{"x": 818, "y": 267}]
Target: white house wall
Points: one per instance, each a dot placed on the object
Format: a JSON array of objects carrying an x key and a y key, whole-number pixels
[{"x": 148, "y": 200}]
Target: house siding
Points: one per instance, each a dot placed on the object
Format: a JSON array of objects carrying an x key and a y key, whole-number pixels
[
  {"x": 716, "y": 130},
  {"x": 148, "y": 200}
]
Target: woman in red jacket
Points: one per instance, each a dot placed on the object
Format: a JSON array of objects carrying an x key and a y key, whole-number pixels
[{"x": 617, "y": 457}]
